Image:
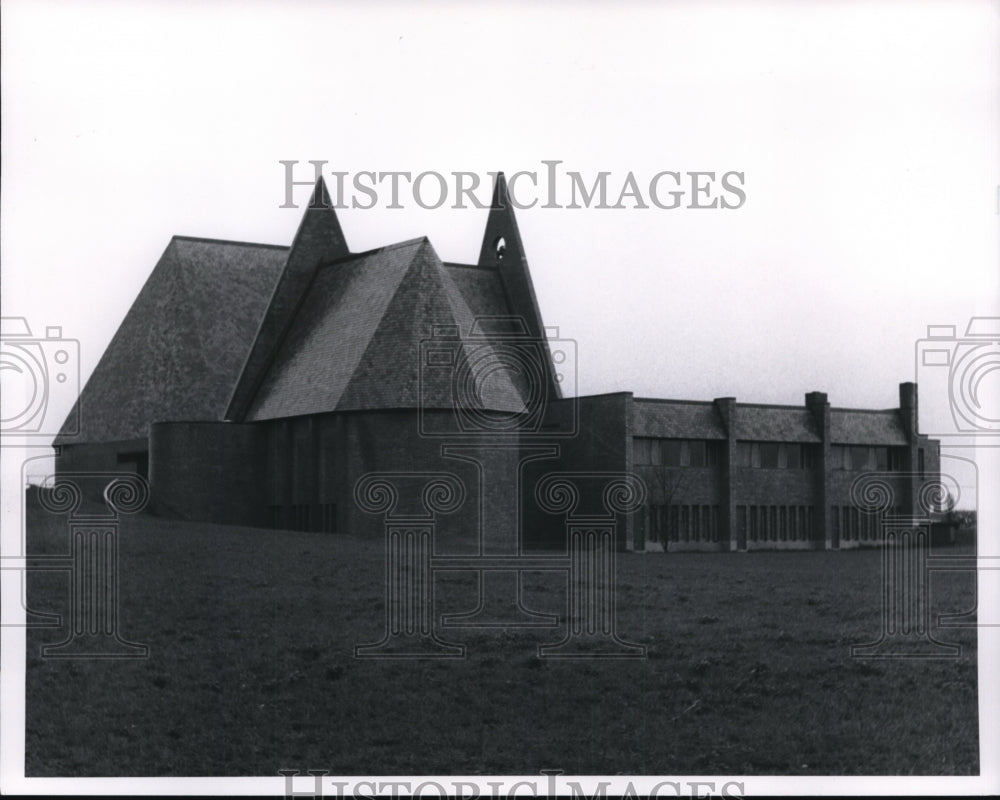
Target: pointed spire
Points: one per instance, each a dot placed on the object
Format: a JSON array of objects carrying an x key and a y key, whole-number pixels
[
  {"x": 500, "y": 196},
  {"x": 502, "y": 239},
  {"x": 320, "y": 196},
  {"x": 318, "y": 240},
  {"x": 320, "y": 227},
  {"x": 502, "y": 250}
]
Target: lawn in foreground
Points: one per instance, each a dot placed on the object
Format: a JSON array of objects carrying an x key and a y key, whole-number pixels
[{"x": 251, "y": 670}]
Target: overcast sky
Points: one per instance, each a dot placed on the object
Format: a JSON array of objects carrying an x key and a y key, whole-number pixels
[{"x": 866, "y": 134}]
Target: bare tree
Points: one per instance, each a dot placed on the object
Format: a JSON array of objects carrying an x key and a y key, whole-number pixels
[{"x": 667, "y": 483}]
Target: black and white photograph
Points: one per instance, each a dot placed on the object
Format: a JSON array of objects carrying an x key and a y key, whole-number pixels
[{"x": 500, "y": 399}]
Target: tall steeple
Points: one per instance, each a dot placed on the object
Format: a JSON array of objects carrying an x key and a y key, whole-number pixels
[{"x": 502, "y": 250}]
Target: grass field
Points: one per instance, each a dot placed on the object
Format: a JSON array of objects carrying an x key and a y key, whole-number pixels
[{"x": 251, "y": 670}]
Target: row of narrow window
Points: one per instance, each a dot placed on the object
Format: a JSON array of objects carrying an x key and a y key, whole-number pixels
[
  {"x": 682, "y": 523},
  {"x": 851, "y": 525},
  {"x": 775, "y": 523},
  {"x": 700, "y": 523},
  {"x": 860, "y": 458},
  {"x": 675, "y": 452},
  {"x": 774, "y": 455}
]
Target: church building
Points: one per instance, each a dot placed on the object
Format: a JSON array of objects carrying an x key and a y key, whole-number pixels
[{"x": 257, "y": 384}]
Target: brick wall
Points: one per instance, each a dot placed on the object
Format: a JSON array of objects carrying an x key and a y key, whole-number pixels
[
  {"x": 591, "y": 434},
  {"x": 728, "y": 506},
  {"x": 129, "y": 456},
  {"x": 208, "y": 471},
  {"x": 314, "y": 463}
]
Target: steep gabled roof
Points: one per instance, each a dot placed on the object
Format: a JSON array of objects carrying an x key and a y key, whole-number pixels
[
  {"x": 182, "y": 345},
  {"x": 230, "y": 331},
  {"x": 355, "y": 343},
  {"x": 348, "y": 335},
  {"x": 481, "y": 288},
  {"x": 850, "y": 426},
  {"x": 319, "y": 238}
]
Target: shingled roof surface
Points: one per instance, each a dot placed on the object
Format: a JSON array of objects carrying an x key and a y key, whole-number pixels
[
  {"x": 683, "y": 419},
  {"x": 848, "y": 426},
  {"x": 183, "y": 343},
  {"x": 758, "y": 423},
  {"x": 481, "y": 289},
  {"x": 686, "y": 419},
  {"x": 355, "y": 343},
  {"x": 677, "y": 419}
]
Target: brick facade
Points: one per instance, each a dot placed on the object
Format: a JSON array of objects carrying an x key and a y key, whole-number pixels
[{"x": 754, "y": 489}]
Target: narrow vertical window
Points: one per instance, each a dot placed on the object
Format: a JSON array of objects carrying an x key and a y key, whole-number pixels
[
  {"x": 671, "y": 452},
  {"x": 696, "y": 454},
  {"x": 769, "y": 455},
  {"x": 641, "y": 451}
]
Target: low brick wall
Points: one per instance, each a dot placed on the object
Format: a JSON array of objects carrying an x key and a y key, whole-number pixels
[{"x": 207, "y": 471}]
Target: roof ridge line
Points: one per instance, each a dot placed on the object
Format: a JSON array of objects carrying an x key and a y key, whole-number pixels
[
  {"x": 672, "y": 400},
  {"x": 866, "y": 410},
  {"x": 237, "y": 242},
  {"x": 772, "y": 405}
]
